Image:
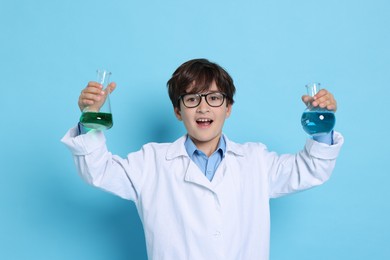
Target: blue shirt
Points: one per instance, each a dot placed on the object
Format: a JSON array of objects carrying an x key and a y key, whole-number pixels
[
  {"x": 208, "y": 165},
  {"x": 326, "y": 139}
]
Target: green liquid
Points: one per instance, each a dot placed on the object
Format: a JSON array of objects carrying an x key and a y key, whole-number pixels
[{"x": 96, "y": 120}]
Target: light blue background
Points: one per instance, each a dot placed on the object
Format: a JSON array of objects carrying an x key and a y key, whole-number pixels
[{"x": 51, "y": 49}]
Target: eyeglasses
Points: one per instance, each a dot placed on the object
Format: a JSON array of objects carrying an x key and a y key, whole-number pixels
[{"x": 213, "y": 99}]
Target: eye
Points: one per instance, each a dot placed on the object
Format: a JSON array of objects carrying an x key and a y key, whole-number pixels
[
  {"x": 190, "y": 98},
  {"x": 215, "y": 97}
]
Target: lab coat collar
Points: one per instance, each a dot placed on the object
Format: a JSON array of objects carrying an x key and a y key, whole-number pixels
[
  {"x": 233, "y": 148},
  {"x": 177, "y": 148},
  {"x": 193, "y": 174}
]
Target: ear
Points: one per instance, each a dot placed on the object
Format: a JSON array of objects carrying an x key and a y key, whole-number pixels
[
  {"x": 177, "y": 113},
  {"x": 228, "y": 110}
]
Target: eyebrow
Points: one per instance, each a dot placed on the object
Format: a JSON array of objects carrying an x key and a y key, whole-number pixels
[{"x": 197, "y": 93}]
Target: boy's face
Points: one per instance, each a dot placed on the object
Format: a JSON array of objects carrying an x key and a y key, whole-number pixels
[{"x": 204, "y": 123}]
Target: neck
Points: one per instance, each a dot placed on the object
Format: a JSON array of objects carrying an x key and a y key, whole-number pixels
[{"x": 207, "y": 147}]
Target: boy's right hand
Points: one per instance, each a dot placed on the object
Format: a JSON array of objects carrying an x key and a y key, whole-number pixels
[
  {"x": 93, "y": 96},
  {"x": 323, "y": 99}
]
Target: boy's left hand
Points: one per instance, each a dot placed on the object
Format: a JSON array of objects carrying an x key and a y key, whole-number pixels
[{"x": 323, "y": 99}]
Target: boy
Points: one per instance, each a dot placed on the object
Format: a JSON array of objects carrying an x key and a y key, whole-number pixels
[{"x": 202, "y": 196}]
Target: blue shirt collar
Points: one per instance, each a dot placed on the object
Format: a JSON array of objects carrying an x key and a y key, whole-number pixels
[{"x": 191, "y": 147}]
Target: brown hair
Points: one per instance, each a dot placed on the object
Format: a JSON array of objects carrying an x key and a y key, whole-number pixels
[{"x": 197, "y": 75}]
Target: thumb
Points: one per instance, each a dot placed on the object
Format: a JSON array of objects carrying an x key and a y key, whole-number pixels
[
  {"x": 307, "y": 99},
  {"x": 111, "y": 87}
]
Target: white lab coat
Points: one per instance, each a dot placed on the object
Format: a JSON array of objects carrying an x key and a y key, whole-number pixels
[{"x": 185, "y": 216}]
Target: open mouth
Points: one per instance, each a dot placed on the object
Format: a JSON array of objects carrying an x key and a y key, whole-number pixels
[{"x": 204, "y": 121}]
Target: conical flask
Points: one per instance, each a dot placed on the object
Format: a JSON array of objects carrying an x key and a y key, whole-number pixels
[
  {"x": 99, "y": 115},
  {"x": 317, "y": 121}
]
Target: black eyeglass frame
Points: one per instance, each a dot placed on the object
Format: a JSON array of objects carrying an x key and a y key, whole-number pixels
[{"x": 200, "y": 99}]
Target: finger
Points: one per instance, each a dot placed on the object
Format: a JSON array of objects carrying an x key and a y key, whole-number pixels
[
  {"x": 93, "y": 87},
  {"x": 90, "y": 94},
  {"x": 307, "y": 100},
  {"x": 332, "y": 106},
  {"x": 325, "y": 99},
  {"x": 84, "y": 102},
  {"x": 323, "y": 103},
  {"x": 94, "y": 84},
  {"x": 111, "y": 87},
  {"x": 321, "y": 95},
  {"x": 93, "y": 93}
]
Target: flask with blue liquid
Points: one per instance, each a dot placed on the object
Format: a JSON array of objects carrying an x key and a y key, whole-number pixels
[{"x": 317, "y": 121}]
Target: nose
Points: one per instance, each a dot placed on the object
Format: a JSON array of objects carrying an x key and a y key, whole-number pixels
[{"x": 203, "y": 106}]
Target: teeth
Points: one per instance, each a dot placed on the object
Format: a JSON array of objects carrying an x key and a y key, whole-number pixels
[{"x": 204, "y": 120}]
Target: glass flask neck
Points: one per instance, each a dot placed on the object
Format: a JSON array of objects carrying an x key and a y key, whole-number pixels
[
  {"x": 313, "y": 88},
  {"x": 103, "y": 77}
]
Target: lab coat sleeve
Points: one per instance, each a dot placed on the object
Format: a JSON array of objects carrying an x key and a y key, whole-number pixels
[
  {"x": 98, "y": 167},
  {"x": 308, "y": 168}
]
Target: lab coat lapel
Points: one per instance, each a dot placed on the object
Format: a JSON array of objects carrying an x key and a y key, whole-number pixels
[
  {"x": 195, "y": 175},
  {"x": 192, "y": 174},
  {"x": 219, "y": 174}
]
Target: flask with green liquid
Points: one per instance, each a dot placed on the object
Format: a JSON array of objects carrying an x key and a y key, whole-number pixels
[
  {"x": 316, "y": 120},
  {"x": 99, "y": 115}
]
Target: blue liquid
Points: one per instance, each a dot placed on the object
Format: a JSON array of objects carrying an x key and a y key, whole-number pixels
[{"x": 318, "y": 122}]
